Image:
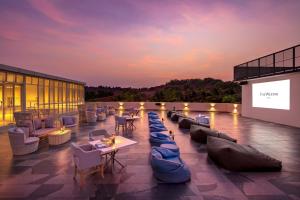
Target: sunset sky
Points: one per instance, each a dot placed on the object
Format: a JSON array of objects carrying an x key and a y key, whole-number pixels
[{"x": 143, "y": 42}]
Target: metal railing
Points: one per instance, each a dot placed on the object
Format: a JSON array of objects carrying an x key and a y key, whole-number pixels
[{"x": 284, "y": 61}]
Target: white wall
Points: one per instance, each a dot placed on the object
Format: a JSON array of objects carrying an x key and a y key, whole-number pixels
[{"x": 288, "y": 117}]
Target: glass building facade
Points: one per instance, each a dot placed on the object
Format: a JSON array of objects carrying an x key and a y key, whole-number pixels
[{"x": 23, "y": 90}]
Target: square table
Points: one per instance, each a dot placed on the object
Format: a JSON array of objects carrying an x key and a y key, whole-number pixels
[{"x": 120, "y": 143}]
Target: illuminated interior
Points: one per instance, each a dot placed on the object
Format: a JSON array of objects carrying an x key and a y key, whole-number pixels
[{"x": 21, "y": 92}]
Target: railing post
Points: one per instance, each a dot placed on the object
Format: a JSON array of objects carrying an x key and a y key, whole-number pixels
[
  {"x": 258, "y": 67},
  {"x": 274, "y": 62},
  {"x": 294, "y": 58}
]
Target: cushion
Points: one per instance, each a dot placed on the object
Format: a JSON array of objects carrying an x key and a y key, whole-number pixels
[
  {"x": 37, "y": 124},
  {"x": 49, "y": 122},
  {"x": 236, "y": 157},
  {"x": 26, "y": 123},
  {"x": 19, "y": 130},
  {"x": 68, "y": 120}
]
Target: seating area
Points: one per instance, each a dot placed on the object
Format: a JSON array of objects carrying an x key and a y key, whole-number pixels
[
  {"x": 183, "y": 163},
  {"x": 222, "y": 149},
  {"x": 166, "y": 163}
]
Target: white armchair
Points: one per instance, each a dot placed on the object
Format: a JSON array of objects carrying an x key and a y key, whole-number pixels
[
  {"x": 20, "y": 141},
  {"x": 86, "y": 157}
]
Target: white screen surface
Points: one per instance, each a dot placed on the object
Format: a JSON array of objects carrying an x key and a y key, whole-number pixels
[{"x": 274, "y": 94}]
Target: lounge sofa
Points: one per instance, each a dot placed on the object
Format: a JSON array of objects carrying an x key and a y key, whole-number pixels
[
  {"x": 199, "y": 134},
  {"x": 20, "y": 141},
  {"x": 168, "y": 167},
  {"x": 236, "y": 157},
  {"x": 43, "y": 131},
  {"x": 158, "y": 138}
]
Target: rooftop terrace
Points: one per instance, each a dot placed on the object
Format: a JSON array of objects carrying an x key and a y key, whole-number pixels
[{"x": 48, "y": 173}]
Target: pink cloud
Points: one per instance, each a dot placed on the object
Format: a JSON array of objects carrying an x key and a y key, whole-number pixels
[{"x": 49, "y": 9}]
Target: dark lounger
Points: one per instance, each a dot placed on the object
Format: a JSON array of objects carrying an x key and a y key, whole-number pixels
[
  {"x": 185, "y": 123},
  {"x": 236, "y": 157},
  {"x": 199, "y": 134}
]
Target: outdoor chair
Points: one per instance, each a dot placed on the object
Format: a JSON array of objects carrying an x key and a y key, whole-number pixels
[
  {"x": 98, "y": 134},
  {"x": 158, "y": 138},
  {"x": 20, "y": 142},
  {"x": 87, "y": 160},
  {"x": 120, "y": 122},
  {"x": 168, "y": 167}
]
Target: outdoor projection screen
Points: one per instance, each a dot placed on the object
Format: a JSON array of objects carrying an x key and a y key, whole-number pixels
[{"x": 274, "y": 94}]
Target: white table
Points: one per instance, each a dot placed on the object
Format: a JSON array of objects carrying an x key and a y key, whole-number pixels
[
  {"x": 130, "y": 120},
  {"x": 120, "y": 143}
]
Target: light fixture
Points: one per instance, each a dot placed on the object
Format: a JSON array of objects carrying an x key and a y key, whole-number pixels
[
  {"x": 162, "y": 107},
  {"x": 212, "y": 107},
  {"x": 235, "y": 111},
  {"x": 142, "y": 105}
]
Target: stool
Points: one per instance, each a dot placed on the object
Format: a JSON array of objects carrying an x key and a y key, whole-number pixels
[{"x": 172, "y": 147}]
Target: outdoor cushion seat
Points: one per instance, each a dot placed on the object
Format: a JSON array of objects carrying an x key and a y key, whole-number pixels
[
  {"x": 152, "y": 113},
  {"x": 236, "y": 157},
  {"x": 153, "y": 117},
  {"x": 185, "y": 122},
  {"x": 175, "y": 116},
  {"x": 157, "y": 138},
  {"x": 157, "y": 128},
  {"x": 155, "y": 121},
  {"x": 168, "y": 168},
  {"x": 172, "y": 147},
  {"x": 199, "y": 134},
  {"x": 20, "y": 141},
  {"x": 169, "y": 113}
]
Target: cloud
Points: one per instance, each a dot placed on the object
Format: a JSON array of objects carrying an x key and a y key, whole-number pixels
[{"x": 51, "y": 11}]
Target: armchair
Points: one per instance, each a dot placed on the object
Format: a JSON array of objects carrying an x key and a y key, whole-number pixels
[
  {"x": 86, "y": 157},
  {"x": 20, "y": 141}
]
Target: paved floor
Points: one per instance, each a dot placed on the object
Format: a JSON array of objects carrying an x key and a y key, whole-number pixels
[{"x": 47, "y": 174}]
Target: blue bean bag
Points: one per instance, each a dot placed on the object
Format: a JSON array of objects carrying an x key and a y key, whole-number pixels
[
  {"x": 157, "y": 128},
  {"x": 168, "y": 167},
  {"x": 157, "y": 138},
  {"x": 155, "y": 121},
  {"x": 152, "y": 113}
]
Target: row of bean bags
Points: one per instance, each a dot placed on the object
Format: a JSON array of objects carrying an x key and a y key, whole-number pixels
[
  {"x": 165, "y": 156},
  {"x": 184, "y": 122}
]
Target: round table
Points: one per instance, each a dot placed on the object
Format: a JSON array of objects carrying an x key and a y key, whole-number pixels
[{"x": 59, "y": 137}]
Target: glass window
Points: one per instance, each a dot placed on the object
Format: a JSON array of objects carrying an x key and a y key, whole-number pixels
[
  {"x": 31, "y": 96},
  {"x": 19, "y": 78},
  {"x": 28, "y": 79},
  {"x": 10, "y": 77},
  {"x": 34, "y": 80},
  {"x": 2, "y": 76}
]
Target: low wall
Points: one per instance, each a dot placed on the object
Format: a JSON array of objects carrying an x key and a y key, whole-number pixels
[{"x": 219, "y": 107}]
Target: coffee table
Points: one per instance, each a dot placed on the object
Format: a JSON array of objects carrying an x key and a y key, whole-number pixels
[{"x": 59, "y": 137}]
